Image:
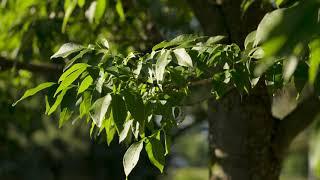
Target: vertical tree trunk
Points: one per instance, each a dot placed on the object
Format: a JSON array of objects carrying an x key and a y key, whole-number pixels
[
  {"x": 245, "y": 141},
  {"x": 240, "y": 137}
]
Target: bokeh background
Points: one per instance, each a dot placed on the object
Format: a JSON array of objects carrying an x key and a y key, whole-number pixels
[{"x": 32, "y": 147}]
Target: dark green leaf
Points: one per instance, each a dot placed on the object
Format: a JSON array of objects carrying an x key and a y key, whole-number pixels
[{"x": 119, "y": 111}]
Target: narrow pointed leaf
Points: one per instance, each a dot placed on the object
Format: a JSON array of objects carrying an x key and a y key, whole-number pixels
[
  {"x": 33, "y": 91},
  {"x": 314, "y": 60},
  {"x": 119, "y": 111},
  {"x": 67, "y": 49},
  {"x": 135, "y": 106},
  {"x": 69, "y": 80},
  {"x": 85, "y": 84},
  {"x": 99, "y": 109},
  {"x": 125, "y": 130},
  {"x": 131, "y": 157},
  {"x": 183, "y": 57},
  {"x": 71, "y": 70},
  {"x": 156, "y": 153},
  {"x": 58, "y": 101},
  {"x": 161, "y": 64}
]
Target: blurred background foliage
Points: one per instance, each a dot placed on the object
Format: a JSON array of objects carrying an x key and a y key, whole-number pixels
[{"x": 31, "y": 144}]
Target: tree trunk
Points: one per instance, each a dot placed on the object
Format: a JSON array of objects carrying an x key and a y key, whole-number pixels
[
  {"x": 245, "y": 141},
  {"x": 241, "y": 133}
]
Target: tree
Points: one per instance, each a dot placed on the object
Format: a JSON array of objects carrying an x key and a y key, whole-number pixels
[{"x": 116, "y": 93}]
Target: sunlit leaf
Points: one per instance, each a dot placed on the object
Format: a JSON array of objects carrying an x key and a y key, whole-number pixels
[
  {"x": 183, "y": 57},
  {"x": 85, "y": 84},
  {"x": 314, "y": 59},
  {"x": 131, "y": 157},
  {"x": 126, "y": 127},
  {"x": 161, "y": 64},
  {"x": 99, "y": 109},
  {"x": 100, "y": 9},
  {"x": 155, "y": 153},
  {"x": 70, "y": 79},
  {"x": 58, "y": 101},
  {"x": 67, "y": 49},
  {"x": 120, "y": 11},
  {"x": 33, "y": 91}
]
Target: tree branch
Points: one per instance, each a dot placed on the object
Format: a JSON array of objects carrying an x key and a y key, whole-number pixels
[
  {"x": 6, "y": 64},
  {"x": 295, "y": 122}
]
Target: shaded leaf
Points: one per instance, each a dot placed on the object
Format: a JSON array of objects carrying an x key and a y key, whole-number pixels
[{"x": 119, "y": 111}]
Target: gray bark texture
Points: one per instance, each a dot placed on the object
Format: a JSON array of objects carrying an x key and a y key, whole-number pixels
[{"x": 246, "y": 142}]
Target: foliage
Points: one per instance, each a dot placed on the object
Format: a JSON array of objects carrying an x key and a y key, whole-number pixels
[{"x": 143, "y": 92}]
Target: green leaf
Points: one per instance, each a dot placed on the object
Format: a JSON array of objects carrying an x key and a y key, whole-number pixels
[
  {"x": 119, "y": 111},
  {"x": 103, "y": 43},
  {"x": 120, "y": 11},
  {"x": 181, "y": 41},
  {"x": 136, "y": 107},
  {"x": 70, "y": 79},
  {"x": 248, "y": 42},
  {"x": 58, "y": 101},
  {"x": 161, "y": 64},
  {"x": 67, "y": 49},
  {"x": 183, "y": 57},
  {"x": 68, "y": 105},
  {"x": 267, "y": 24},
  {"x": 155, "y": 153},
  {"x": 124, "y": 133},
  {"x": 85, "y": 84},
  {"x": 110, "y": 128},
  {"x": 100, "y": 108},
  {"x": 75, "y": 58},
  {"x": 33, "y": 91},
  {"x": 85, "y": 105},
  {"x": 100, "y": 9},
  {"x": 167, "y": 142},
  {"x": 65, "y": 114},
  {"x": 131, "y": 157},
  {"x": 71, "y": 70},
  {"x": 81, "y": 3},
  {"x": 314, "y": 59},
  {"x": 69, "y": 6},
  {"x": 214, "y": 40},
  {"x": 101, "y": 79}
]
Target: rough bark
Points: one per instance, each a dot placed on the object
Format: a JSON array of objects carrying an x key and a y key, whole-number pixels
[
  {"x": 245, "y": 141},
  {"x": 241, "y": 135}
]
